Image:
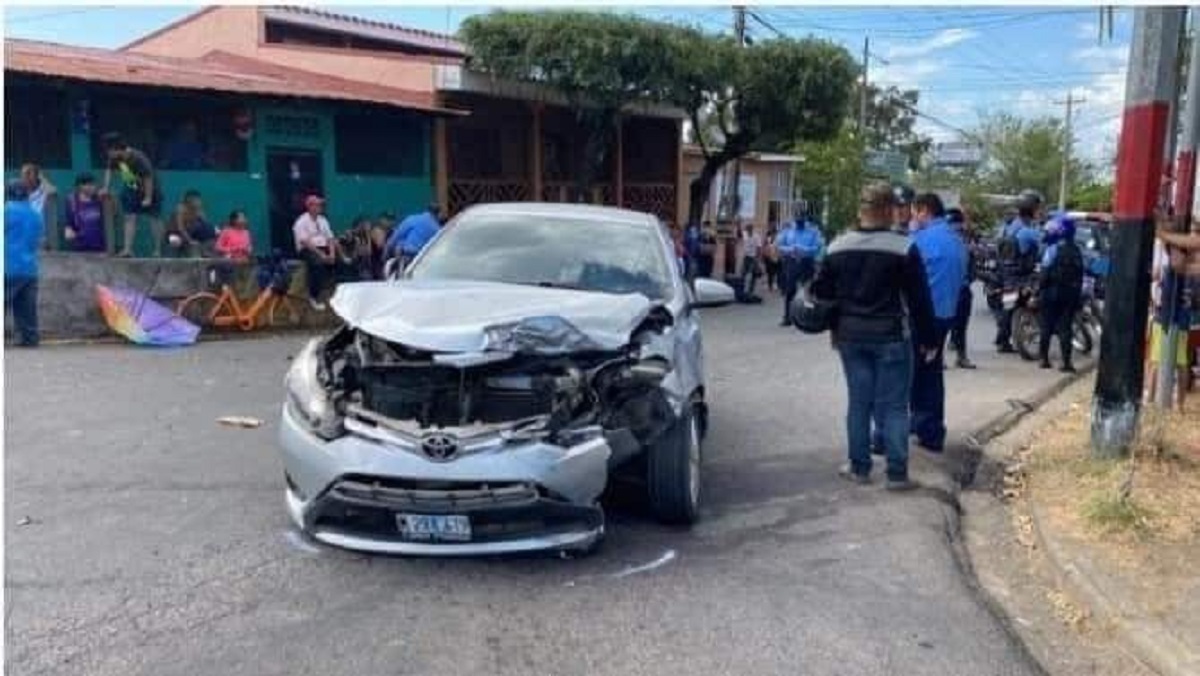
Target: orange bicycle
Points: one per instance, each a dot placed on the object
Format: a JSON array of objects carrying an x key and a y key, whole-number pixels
[{"x": 226, "y": 311}]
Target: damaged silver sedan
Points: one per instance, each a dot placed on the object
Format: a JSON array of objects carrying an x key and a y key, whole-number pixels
[{"x": 481, "y": 404}]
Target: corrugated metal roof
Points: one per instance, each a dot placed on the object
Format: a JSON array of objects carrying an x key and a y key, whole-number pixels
[
  {"x": 216, "y": 71},
  {"x": 378, "y": 30}
]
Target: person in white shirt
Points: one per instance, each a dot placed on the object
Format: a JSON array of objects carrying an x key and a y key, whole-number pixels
[
  {"x": 317, "y": 247},
  {"x": 752, "y": 245},
  {"x": 43, "y": 197}
]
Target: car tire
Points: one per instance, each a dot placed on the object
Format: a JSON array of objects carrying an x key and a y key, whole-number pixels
[{"x": 673, "y": 471}]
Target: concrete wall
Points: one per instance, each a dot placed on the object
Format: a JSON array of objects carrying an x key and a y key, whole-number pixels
[{"x": 67, "y": 289}]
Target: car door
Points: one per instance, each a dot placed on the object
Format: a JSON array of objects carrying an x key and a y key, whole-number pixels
[{"x": 687, "y": 341}]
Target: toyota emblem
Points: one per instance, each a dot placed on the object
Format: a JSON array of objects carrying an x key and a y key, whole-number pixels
[{"x": 439, "y": 446}]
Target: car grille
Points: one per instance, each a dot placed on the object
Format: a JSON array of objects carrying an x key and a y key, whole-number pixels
[{"x": 432, "y": 497}]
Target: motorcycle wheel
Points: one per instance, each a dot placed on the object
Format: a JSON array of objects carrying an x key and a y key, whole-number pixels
[
  {"x": 1026, "y": 333},
  {"x": 1081, "y": 336}
]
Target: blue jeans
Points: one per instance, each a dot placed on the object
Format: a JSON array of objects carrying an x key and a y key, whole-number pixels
[
  {"x": 929, "y": 391},
  {"x": 878, "y": 378},
  {"x": 20, "y": 297}
]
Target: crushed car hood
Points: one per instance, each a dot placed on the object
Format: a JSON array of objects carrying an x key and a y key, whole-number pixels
[{"x": 461, "y": 316}]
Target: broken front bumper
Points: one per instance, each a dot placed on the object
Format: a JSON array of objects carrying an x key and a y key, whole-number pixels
[{"x": 518, "y": 496}]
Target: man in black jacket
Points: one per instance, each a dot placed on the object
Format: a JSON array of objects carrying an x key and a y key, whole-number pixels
[{"x": 872, "y": 274}]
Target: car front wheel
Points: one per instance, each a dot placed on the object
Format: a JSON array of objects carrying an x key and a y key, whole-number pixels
[{"x": 673, "y": 471}]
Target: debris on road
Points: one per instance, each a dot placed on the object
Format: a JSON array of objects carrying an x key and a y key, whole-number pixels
[
  {"x": 25, "y": 521},
  {"x": 244, "y": 422}
]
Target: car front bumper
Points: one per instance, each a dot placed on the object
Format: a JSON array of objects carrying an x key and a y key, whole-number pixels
[{"x": 519, "y": 496}]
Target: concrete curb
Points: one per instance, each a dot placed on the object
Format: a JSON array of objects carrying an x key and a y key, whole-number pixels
[{"x": 1154, "y": 647}]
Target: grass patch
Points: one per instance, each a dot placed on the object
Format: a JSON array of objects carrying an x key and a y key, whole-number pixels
[{"x": 1113, "y": 514}]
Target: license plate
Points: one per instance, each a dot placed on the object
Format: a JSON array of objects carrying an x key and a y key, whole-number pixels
[{"x": 434, "y": 528}]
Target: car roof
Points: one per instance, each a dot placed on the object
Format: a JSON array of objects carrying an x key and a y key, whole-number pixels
[{"x": 558, "y": 210}]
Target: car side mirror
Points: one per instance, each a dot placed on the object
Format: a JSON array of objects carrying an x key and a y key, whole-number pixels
[{"x": 711, "y": 293}]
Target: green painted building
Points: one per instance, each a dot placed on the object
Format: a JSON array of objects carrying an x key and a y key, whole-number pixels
[{"x": 246, "y": 138}]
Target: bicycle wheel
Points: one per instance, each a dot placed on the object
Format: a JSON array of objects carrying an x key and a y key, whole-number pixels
[
  {"x": 283, "y": 312},
  {"x": 1026, "y": 333},
  {"x": 200, "y": 309}
]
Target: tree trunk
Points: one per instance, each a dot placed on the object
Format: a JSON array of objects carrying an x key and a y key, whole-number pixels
[{"x": 701, "y": 186}]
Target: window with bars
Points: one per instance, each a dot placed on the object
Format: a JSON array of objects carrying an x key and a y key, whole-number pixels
[
  {"x": 380, "y": 142},
  {"x": 36, "y": 126}
]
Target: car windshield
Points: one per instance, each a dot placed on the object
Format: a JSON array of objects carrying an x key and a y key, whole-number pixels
[{"x": 567, "y": 252}]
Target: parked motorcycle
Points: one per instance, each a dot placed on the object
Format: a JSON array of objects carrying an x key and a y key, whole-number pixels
[{"x": 1027, "y": 326}]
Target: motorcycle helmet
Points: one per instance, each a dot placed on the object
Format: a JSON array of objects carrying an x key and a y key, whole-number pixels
[
  {"x": 1030, "y": 199},
  {"x": 810, "y": 315}
]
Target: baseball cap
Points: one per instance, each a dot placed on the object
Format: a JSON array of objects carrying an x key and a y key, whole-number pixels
[{"x": 313, "y": 200}]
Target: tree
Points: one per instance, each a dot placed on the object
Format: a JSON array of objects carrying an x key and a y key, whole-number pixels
[
  {"x": 1023, "y": 154},
  {"x": 600, "y": 62},
  {"x": 891, "y": 121},
  {"x": 834, "y": 170},
  {"x": 768, "y": 95},
  {"x": 1092, "y": 197}
]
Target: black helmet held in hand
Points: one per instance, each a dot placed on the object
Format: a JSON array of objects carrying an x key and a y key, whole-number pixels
[{"x": 811, "y": 315}]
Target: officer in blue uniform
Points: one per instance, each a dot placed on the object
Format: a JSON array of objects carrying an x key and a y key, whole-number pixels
[
  {"x": 413, "y": 233},
  {"x": 1017, "y": 249},
  {"x": 798, "y": 244},
  {"x": 945, "y": 258}
]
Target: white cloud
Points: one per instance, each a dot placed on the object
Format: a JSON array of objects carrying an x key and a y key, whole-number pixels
[
  {"x": 1102, "y": 57},
  {"x": 947, "y": 38},
  {"x": 906, "y": 75}
]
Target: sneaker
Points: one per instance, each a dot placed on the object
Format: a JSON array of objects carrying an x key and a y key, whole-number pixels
[
  {"x": 901, "y": 485},
  {"x": 876, "y": 449},
  {"x": 1046, "y": 364},
  {"x": 964, "y": 363},
  {"x": 316, "y": 304},
  {"x": 785, "y": 323},
  {"x": 1068, "y": 368},
  {"x": 847, "y": 472},
  {"x": 932, "y": 448},
  {"x": 1006, "y": 348}
]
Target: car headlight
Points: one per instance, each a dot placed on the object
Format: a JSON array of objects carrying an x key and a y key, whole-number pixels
[{"x": 307, "y": 400}]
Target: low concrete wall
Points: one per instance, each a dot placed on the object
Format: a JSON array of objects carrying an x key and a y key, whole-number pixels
[{"x": 67, "y": 288}]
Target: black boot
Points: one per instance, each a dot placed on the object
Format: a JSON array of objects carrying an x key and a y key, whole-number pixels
[{"x": 1046, "y": 363}]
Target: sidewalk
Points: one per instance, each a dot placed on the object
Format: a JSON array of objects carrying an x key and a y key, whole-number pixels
[{"x": 1122, "y": 537}]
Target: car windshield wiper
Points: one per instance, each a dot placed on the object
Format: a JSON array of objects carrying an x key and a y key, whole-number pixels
[{"x": 559, "y": 285}]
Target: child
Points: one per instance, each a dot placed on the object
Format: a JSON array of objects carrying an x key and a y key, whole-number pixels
[
  {"x": 85, "y": 217},
  {"x": 234, "y": 241}
]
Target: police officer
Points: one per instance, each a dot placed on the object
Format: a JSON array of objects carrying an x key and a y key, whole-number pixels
[
  {"x": 962, "y": 317},
  {"x": 1016, "y": 249},
  {"x": 945, "y": 259},
  {"x": 1060, "y": 289},
  {"x": 798, "y": 245}
]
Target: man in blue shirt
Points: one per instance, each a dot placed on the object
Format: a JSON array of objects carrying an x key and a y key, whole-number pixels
[
  {"x": 945, "y": 259},
  {"x": 413, "y": 233},
  {"x": 798, "y": 245},
  {"x": 1017, "y": 248},
  {"x": 22, "y": 238}
]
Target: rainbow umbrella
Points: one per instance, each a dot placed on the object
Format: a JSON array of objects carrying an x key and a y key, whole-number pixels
[{"x": 143, "y": 321}]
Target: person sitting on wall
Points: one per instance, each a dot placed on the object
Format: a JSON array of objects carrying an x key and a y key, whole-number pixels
[
  {"x": 85, "y": 217},
  {"x": 177, "y": 242},
  {"x": 317, "y": 247},
  {"x": 201, "y": 232},
  {"x": 234, "y": 242},
  {"x": 43, "y": 196}
]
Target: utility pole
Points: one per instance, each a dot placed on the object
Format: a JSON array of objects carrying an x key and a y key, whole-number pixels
[
  {"x": 1066, "y": 155},
  {"x": 1150, "y": 85},
  {"x": 1185, "y": 187},
  {"x": 739, "y": 31},
  {"x": 862, "y": 97}
]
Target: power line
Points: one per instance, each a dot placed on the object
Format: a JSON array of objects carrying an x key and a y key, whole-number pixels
[
  {"x": 55, "y": 15},
  {"x": 793, "y": 22}
]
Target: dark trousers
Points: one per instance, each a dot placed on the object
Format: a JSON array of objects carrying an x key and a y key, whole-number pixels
[
  {"x": 1056, "y": 319},
  {"x": 878, "y": 378},
  {"x": 772, "y": 273},
  {"x": 794, "y": 273},
  {"x": 749, "y": 274},
  {"x": 706, "y": 265},
  {"x": 929, "y": 391},
  {"x": 20, "y": 298},
  {"x": 318, "y": 273},
  {"x": 962, "y": 317},
  {"x": 1004, "y": 320}
]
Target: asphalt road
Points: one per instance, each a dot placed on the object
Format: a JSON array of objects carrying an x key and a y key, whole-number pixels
[{"x": 143, "y": 538}]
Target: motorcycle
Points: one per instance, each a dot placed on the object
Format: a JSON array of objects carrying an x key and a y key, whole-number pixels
[{"x": 1027, "y": 329}]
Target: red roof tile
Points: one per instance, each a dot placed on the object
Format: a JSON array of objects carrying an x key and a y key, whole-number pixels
[
  {"x": 381, "y": 30},
  {"x": 215, "y": 72}
]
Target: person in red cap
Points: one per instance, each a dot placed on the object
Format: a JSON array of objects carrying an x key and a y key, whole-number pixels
[{"x": 317, "y": 247}]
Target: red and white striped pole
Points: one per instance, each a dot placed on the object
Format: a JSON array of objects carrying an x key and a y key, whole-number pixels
[
  {"x": 1149, "y": 90},
  {"x": 1185, "y": 188}
]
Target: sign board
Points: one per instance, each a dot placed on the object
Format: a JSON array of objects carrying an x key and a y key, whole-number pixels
[
  {"x": 888, "y": 164},
  {"x": 957, "y": 154}
]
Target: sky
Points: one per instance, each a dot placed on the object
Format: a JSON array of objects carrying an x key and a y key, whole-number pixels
[{"x": 964, "y": 60}]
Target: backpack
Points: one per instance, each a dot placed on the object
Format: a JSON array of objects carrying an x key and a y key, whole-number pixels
[{"x": 1065, "y": 277}]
